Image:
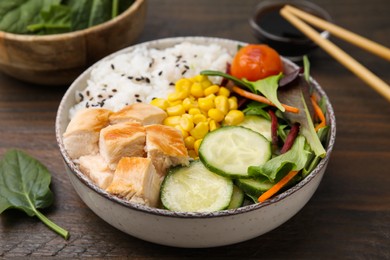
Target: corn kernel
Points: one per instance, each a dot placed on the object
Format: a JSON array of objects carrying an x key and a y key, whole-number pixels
[
  {"x": 189, "y": 103},
  {"x": 205, "y": 84},
  {"x": 178, "y": 95},
  {"x": 193, "y": 154},
  {"x": 213, "y": 125},
  {"x": 205, "y": 103},
  {"x": 211, "y": 90},
  {"x": 189, "y": 142},
  {"x": 224, "y": 92},
  {"x": 186, "y": 123},
  {"x": 222, "y": 103},
  {"x": 197, "y": 90},
  {"x": 174, "y": 103},
  {"x": 198, "y": 118},
  {"x": 184, "y": 133},
  {"x": 172, "y": 120},
  {"x": 177, "y": 110},
  {"x": 197, "y": 145},
  {"x": 200, "y": 130},
  {"x": 194, "y": 111},
  {"x": 216, "y": 114},
  {"x": 183, "y": 84},
  {"x": 160, "y": 102},
  {"x": 234, "y": 117},
  {"x": 200, "y": 78},
  {"x": 233, "y": 103}
]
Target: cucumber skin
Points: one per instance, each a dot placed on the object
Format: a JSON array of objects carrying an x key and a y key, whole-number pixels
[
  {"x": 250, "y": 189},
  {"x": 230, "y": 174},
  {"x": 237, "y": 198}
]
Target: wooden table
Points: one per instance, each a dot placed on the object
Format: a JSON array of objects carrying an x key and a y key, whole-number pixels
[{"x": 347, "y": 218}]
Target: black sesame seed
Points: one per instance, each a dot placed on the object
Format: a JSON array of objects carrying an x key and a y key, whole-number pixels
[
  {"x": 87, "y": 93},
  {"x": 153, "y": 98},
  {"x": 81, "y": 97},
  {"x": 160, "y": 73},
  {"x": 138, "y": 79},
  {"x": 112, "y": 66},
  {"x": 130, "y": 77},
  {"x": 139, "y": 100},
  {"x": 100, "y": 96},
  {"x": 171, "y": 84},
  {"x": 87, "y": 105},
  {"x": 184, "y": 72},
  {"x": 114, "y": 90},
  {"x": 147, "y": 80},
  {"x": 136, "y": 95},
  {"x": 186, "y": 66},
  {"x": 163, "y": 58},
  {"x": 91, "y": 99},
  {"x": 109, "y": 96},
  {"x": 122, "y": 75}
]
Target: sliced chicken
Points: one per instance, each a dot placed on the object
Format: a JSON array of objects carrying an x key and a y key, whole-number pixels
[
  {"x": 96, "y": 169},
  {"x": 135, "y": 179},
  {"x": 82, "y": 134},
  {"x": 142, "y": 113},
  {"x": 121, "y": 140},
  {"x": 165, "y": 147}
]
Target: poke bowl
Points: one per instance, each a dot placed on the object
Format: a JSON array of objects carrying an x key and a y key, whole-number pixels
[{"x": 150, "y": 220}]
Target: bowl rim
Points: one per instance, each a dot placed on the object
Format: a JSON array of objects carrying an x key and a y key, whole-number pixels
[
  {"x": 27, "y": 37},
  {"x": 198, "y": 215},
  {"x": 264, "y": 4}
]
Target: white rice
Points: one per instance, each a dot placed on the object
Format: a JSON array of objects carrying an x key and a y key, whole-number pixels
[{"x": 144, "y": 74}]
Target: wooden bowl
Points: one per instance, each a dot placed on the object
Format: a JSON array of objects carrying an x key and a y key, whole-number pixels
[{"x": 58, "y": 59}]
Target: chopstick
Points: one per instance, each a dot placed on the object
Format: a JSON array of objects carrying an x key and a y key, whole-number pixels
[
  {"x": 342, "y": 33},
  {"x": 345, "y": 59}
]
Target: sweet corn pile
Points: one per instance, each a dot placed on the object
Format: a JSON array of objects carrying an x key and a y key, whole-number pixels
[{"x": 197, "y": 107}]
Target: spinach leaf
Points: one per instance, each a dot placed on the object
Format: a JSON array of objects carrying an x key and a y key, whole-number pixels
[
  {"x": 294, "y": 159},
  {"x": 24, "y": 185},
  {"x": 257, "y": 109},
  {"x": 57, "y": 19},
  {"x": 87, "y": 13},
  {"x": 16, "y": 15}
]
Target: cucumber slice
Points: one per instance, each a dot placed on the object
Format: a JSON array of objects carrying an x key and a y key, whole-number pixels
[
  {"x": 254, "y": 187},
  {"x": 195, "y": 189},
  {"x": 230, "y": 150},
  {"x": 237, "y": 198},
  {"x": 258, "y": 124}
]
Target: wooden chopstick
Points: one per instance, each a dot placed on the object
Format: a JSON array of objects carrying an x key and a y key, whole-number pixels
[
  {"x": 342, "y": 33},
  {"x": 350, "y": 63}
]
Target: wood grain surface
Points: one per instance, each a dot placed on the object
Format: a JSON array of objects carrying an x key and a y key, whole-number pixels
[{"x": 347, "y": 218}]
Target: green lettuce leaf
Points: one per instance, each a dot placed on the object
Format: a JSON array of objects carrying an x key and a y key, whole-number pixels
[
  {"x": 269, "y": 88},
  {"x": 293, "y": 160}
]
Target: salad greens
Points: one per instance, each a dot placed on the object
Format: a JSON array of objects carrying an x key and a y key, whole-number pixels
[
  {"x": 295, "y": 163},
  {"x": 57, "y": 16},
  {"x": 24, "y": 185}
]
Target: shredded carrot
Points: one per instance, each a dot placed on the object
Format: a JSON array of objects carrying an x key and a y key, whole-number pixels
[
  {"x": 274, "y": 189},
  {"x": 262, "y": 99},
  {"x": 318, "y": 112}
]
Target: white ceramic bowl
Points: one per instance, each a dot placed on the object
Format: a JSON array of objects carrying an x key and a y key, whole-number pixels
[{"x": 189, "y": 229}]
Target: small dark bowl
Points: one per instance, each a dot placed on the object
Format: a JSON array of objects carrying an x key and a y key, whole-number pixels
[{"x": 272, "y": 29}]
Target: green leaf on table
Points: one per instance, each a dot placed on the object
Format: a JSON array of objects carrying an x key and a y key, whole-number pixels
[
  {"x": 24, "y": 185},
  {"x": 269, "y": 88},
  {"x": 294, "y": 159}
]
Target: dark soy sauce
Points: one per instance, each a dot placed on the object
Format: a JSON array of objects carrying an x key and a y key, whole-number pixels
[{"x": 272, "y": 29}]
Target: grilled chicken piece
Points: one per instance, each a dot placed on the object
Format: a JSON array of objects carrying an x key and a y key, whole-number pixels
[
  {"x": 136, "y": 180},
  {"x": 82, "y": 134},
  {"x": 121, "y": 140},
  {"x": 165, "y": 147},
  {"x": 142, "y": 113},
  {"x": 96, "y": 169}
]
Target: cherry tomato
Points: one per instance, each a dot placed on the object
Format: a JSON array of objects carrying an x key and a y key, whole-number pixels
[{"x": 256, "y": 61}]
